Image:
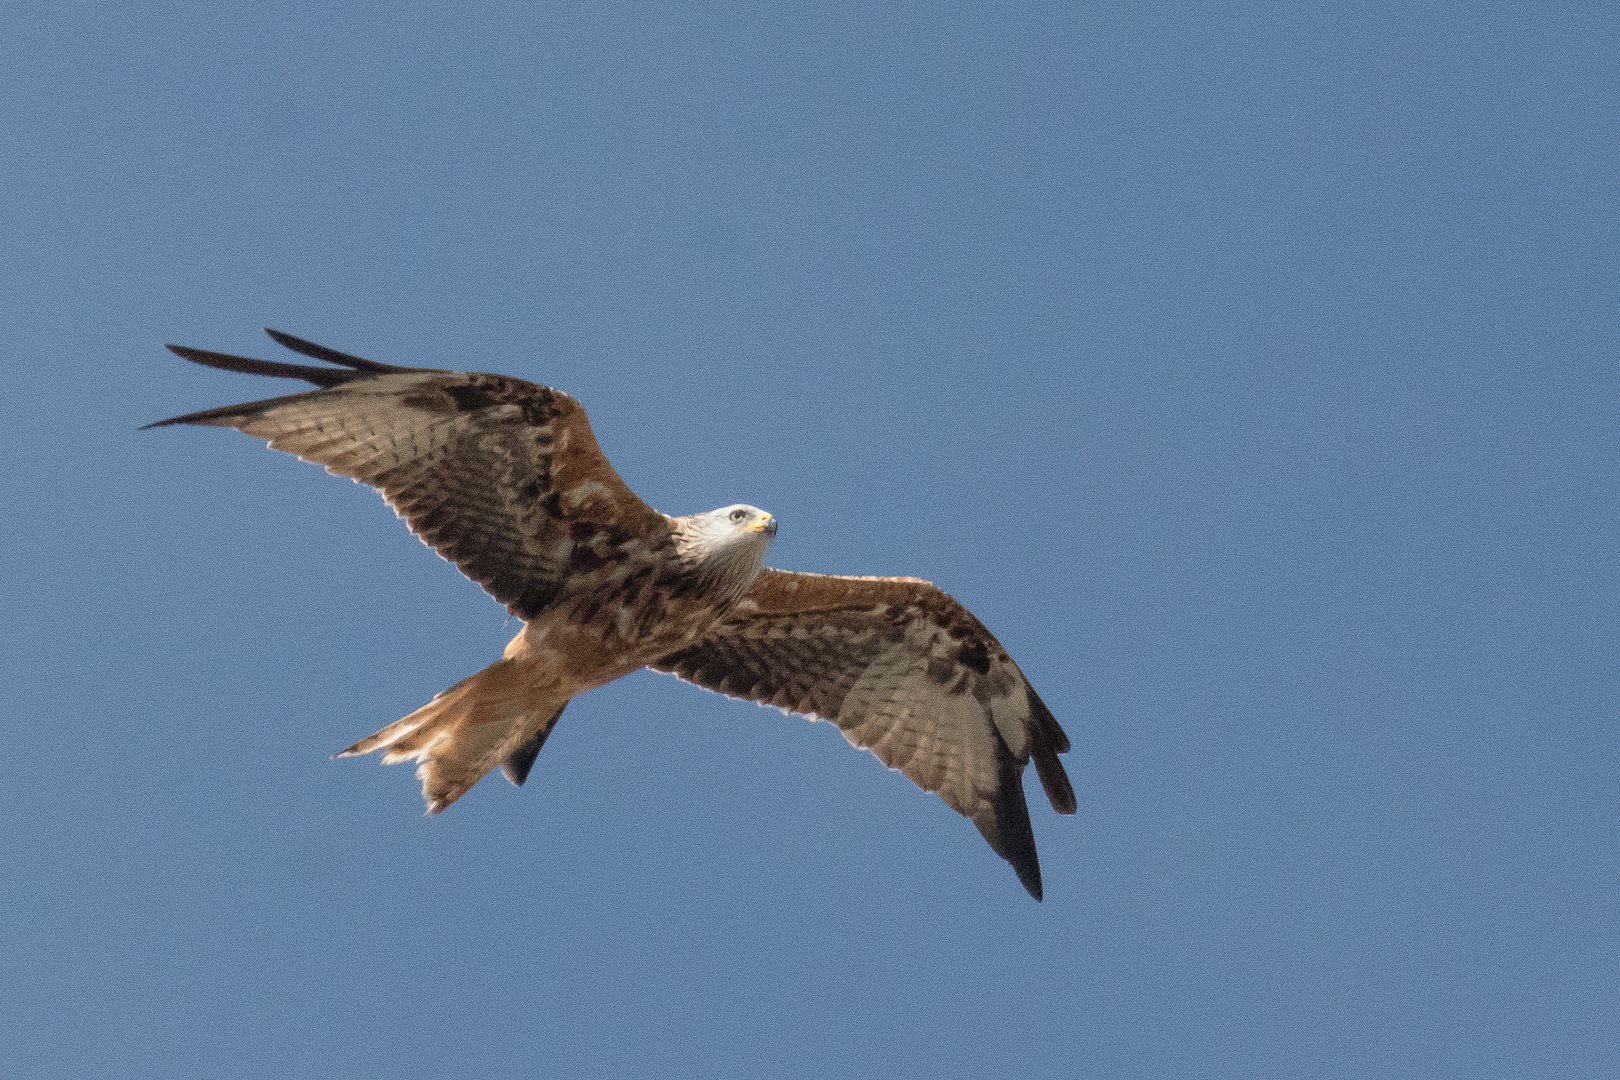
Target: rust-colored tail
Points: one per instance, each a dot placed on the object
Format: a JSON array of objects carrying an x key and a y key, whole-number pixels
[{"x": 495, "y": 717}]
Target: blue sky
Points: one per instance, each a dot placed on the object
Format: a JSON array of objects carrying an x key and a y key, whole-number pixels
[{"x": 1248, "y": 369}]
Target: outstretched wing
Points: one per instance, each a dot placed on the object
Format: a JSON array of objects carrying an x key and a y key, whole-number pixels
[
  {"x": 907, "y": 672},
  {"x": 500, "y": 476}
]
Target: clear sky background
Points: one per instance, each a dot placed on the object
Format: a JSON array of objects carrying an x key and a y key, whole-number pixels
[{"x": 1249, "y": 369}]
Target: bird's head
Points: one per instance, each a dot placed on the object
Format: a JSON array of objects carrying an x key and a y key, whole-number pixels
[
  {"x": 742, "y": 527},
  {"x": 730, "y": 542}
]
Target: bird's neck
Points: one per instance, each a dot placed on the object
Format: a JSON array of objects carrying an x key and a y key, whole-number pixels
[{"x": 727, "y": 569}]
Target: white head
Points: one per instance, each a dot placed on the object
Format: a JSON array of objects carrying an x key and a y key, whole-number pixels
[{"x": 729, "y": 542}]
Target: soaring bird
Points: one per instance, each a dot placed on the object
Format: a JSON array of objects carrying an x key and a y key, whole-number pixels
[{"x": 505, "y": 479}]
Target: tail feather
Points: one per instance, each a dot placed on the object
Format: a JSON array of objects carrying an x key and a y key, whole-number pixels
[{"x": 489, "y": 719}]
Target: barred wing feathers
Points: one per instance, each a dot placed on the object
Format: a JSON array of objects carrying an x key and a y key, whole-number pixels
[
  {"x": 502, "y": 477},
  {"x": 906, "y": 672}
]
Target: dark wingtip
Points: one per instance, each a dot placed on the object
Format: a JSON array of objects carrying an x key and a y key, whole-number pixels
[
  {"x": 1046, "y": 741},
  {"x": 1005, "y": 821},
  {"x": 222, "y": 417},
  {"x": 1055, "y": 781},
  {"x": 1020, "y": 852},
  {"x": 331, "y": 356},
  {"x": 247, "y": 365},
  {"x": 1050, "y": 728}
]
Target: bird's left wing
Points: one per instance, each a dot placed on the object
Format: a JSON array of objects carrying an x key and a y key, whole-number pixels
[
  {"x": 501, "y": 476},
  {"x": 907, "y": 672}
]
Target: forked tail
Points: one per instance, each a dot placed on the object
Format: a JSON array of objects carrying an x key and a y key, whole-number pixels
[{"x": 488, "y": 719}]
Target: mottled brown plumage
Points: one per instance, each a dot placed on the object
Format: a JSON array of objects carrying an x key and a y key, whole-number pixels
[
  {"x": 904, "y": 671},
  {"x": 504, "y": 478}
]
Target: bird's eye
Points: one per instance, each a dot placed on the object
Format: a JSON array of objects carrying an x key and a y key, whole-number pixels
[{"x": 738, "y": 515}]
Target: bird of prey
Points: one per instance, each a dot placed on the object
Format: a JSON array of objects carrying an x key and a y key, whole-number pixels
[{"x": 503, "y": 478}]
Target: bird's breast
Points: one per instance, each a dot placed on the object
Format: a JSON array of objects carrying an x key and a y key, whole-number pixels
[{"x": 600, "y": 630}]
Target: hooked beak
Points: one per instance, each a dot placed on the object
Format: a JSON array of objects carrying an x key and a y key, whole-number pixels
[{"x": 766, "y": 525}]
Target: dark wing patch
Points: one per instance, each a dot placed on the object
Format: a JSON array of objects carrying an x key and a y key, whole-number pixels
[
  {"x": 499, "y": 475},
  {"x": 906, "y": 672}
]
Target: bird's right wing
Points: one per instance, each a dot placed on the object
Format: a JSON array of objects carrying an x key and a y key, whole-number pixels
[{"x": 502, "y": 477}]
